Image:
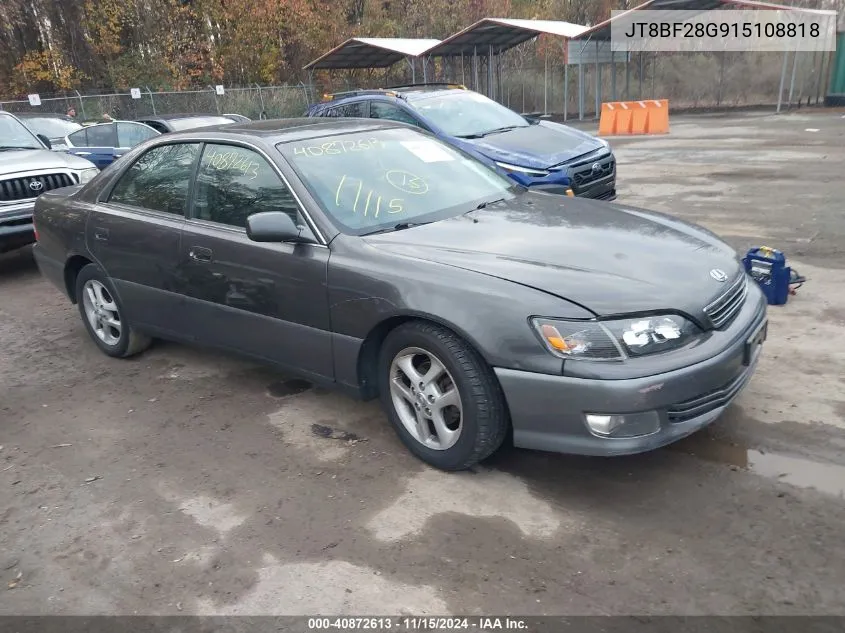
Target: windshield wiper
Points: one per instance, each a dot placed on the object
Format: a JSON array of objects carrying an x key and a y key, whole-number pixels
[
  {"x": 396, "y": 227},
  {"x": 484, "y": 205},
  {"x": 497, "y": 130}
]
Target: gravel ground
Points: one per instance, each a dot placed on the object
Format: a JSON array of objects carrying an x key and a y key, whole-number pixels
[{"x": 188, "y": 482}]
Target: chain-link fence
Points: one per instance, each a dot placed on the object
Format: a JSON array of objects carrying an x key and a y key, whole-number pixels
[
  {"x": 256, "y": 102},
  {"x": 526, "y": 82}
]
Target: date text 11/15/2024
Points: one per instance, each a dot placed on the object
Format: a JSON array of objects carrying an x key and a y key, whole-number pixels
[{"x": 408, "y": 623}]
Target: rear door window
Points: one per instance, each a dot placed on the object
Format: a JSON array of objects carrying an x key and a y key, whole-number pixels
[
  {"x": 80, "y": 138},
  {"x": 355, "y": 109},
  {"x": 101, "y": 135},
  {"x": 131, "y": 134},
  {"x": 159, "y": 179},
  {"x": 384, "y": 110}
]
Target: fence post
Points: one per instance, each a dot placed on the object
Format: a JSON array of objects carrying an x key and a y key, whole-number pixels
[
  {"x": 263, "y": 114},
  {"x": 214, "y": 94},
  {"x": 305, "y": 92},
  {"x": 152, "y": 101},
  {"x": 81, "y": 104}
]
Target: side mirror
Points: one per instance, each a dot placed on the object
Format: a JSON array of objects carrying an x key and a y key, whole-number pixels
[
  {"x": 274, "y": 226},
  {"x": 45, "y": 140}
]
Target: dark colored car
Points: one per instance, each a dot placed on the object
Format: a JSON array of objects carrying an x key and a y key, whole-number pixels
[
  {"x": 536, "y": 153},
  {"x": 103, "y": 143},
  {"x": 165, "y": 123},
  {"x": 342, "y": 251},
  {"x": 54, "y": 126}
]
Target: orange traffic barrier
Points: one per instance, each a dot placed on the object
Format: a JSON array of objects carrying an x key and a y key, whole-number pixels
[{"x": 650, "y": 116}]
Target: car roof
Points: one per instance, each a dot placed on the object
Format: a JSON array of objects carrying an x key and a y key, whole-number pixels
[
  {"x": 274, "y": 131},
  {"x": 421, "y": 92},
  {"x": 406, "y": 93},
  {"x": 44, "y": 115},
  {"x": 187, "y": 115},
  {"x": 97, "y": 122}
]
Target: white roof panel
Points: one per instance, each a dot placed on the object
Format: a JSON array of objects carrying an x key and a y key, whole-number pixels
[{"x": 402, "y": 45}]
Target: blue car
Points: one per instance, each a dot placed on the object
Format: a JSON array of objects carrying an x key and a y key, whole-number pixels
[
  {"x": 104, "y": 143},
  {"x": 535, "y": 153}
]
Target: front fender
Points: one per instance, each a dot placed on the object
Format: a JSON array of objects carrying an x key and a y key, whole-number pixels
[{"x": 368, "y": 287}]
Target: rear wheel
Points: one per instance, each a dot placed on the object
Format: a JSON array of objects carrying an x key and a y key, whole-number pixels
[
  {"x": 441, "y": 397},
  {"x": 103, "y": 315}
]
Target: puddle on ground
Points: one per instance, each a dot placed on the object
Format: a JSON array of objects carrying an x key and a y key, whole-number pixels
[
  {"x": 290, "y": 387},
  {"x": 791, "y": 469}
]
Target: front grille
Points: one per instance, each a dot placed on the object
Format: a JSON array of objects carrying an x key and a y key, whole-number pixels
[
  {"x": 583, "y": 175},
  {"x": 19, "y": 188},
  {"x": 605, "y": 195},
  {"x": 707, "y": 402},
  {"x": 725, "y": 308}
]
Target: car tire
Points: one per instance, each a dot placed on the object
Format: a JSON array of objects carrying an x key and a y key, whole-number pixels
[
  {"x": 435, "y": 386},
  {"x": 104, "y": 317}
]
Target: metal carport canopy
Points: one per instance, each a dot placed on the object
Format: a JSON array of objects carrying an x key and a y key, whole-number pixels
[
  {"x": 500, "y": 33},
  {"x": 371, "y": 52}
]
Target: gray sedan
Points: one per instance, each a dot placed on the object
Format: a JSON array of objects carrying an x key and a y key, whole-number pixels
[{"x": 371, "y": 257}]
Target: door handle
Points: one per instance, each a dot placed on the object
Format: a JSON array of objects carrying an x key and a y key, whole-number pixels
[
  {"x": 200, "y": 254},
  {"x": 101, "y": 234},
  {"x": 83, "y": 153}
]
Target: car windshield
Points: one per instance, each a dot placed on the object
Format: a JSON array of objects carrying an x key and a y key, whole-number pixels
[
  {"x": 51, "y": 127},
  {"x": 467, "y": 114},
  {"x": 188, "y": 123},
  {"x": 384, "y": 179},
  {"x": 15, "y": 135}
]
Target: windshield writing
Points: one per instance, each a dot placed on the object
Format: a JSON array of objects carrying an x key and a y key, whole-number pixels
[{"x": 392, "y": 176}]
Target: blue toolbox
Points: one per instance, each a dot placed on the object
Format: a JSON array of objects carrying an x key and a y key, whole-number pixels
[{"x": 768, "y": 268}]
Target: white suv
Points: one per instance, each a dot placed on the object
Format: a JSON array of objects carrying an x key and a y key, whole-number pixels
[{"x": 27, "y": 169}]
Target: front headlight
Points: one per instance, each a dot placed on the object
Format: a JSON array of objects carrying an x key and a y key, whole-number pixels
[
  {"x": 617, "y": 339},
  {"x": 86, "y": 175},
  {"x": 522, "y": 170}
]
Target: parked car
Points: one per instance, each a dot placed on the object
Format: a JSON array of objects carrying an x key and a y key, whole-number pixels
[
  {"x": 344, "y": 252},
  {"x": 103, "y": 143},
  {"x": 27, "y": 169},
  {"x": 54, "y": 126},
  {"x": 180, "y": 122},
  {"x": 238, "y": 118},
  {"x": 536, "y": 153}
]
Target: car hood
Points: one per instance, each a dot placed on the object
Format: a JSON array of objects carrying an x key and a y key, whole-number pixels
[
  {"x": 14, "y": 161},
  {"x": 539, "y": 146},
  {"x": 609, "y": 259}
]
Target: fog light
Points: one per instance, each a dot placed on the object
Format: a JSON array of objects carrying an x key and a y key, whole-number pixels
[{"x": 619, "y": 425}]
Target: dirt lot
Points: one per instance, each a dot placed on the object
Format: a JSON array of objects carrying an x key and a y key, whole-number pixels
[{"x": 184, "y": 481}]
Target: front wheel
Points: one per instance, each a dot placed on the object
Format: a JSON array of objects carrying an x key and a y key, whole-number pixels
[
  {"x": 103, "y": 315},
  {"x": 442, "y": 398}
]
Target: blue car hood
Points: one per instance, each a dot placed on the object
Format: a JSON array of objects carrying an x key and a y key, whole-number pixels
[{"x": 538, "y": 146}]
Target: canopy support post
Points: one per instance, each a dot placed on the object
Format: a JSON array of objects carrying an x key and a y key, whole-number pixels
[
  {"x": 566, "y": 89},
  {"x": 782, "y": 80}
]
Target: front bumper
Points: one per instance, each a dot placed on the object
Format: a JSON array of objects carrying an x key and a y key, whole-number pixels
[
  {"x": 601, "y": 190},
  {"x": 548, "y": 412},
  {"x": 16, "y": 228}
]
